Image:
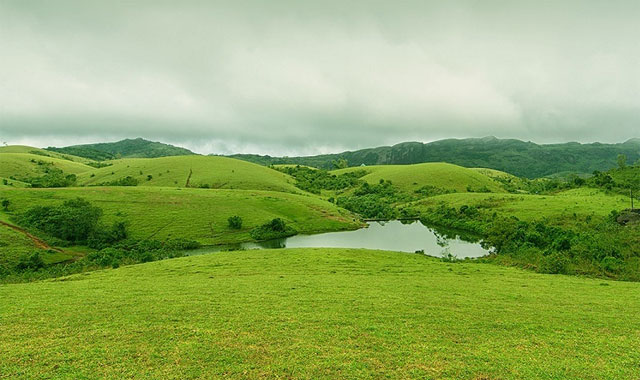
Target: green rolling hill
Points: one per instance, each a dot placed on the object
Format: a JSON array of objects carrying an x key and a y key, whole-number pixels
[
  {"x": 197, "y": 214},
  {"x": 525, "y": 159},
  {"x": 21, "y": 165},
  {"x": 127, "y": 148},
  {"x": 410, "y": 178},
  {"x": 192, "y": 171}
]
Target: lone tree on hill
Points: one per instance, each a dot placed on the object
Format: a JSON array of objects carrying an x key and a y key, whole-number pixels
[{"x": 622, "y": 161}]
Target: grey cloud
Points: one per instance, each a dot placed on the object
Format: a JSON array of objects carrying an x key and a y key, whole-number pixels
[{"x": 295, "y": 78}]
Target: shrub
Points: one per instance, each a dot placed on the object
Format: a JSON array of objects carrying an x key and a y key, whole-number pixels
[
  {"x": 30, "y": 262},
  {"x": 611, "y": 264},
  {"x": 5, "y": 204},
  {"x": 235, "y": 222},
  {"x": 75, "y": 220},
  {"x": 555, "y": 263},
  {"x": 274, "y": 229},
  {"x": 181, "y": 244},
  {"x": 125, "y": 181},
  {"x": 103, "y": 237}
]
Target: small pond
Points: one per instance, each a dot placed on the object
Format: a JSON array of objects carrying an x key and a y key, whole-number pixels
[{"x": 393, "y": 235}]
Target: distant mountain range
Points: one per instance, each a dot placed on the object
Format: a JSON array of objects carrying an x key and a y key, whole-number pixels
[
  {"x": 525, "y": 159},
  {"x": 129, "y": 148}
]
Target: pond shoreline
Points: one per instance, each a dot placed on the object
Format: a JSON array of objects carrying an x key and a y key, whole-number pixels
[{"x": 390, "y": 235}]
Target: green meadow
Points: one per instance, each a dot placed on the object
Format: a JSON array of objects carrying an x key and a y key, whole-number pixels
[
  {"x": 565, "y": 204},
  {"x": 321, "y": 314},
  {"x": 410, "y": 178},
  {"x": 199, "y": 214},
  {"x": 192, "y": 171},
  {"x": 312, "y": 313}
]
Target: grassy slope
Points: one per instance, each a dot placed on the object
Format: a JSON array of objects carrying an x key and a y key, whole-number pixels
[
  {"x": 20, "y": 165},
  {"x": 13, "y": 245},
  {"x": 412, "y": 177},
  {"x": 42, "y": 153},
  {"x": 217, "y": 172},
  {"x": 199, "y": 214},
  {"x": 12, "y": 183},
  {"x": 528, "y": 207},
  {"x": 334, "y": 314}
]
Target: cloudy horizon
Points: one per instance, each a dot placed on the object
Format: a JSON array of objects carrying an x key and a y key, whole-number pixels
[{"x": 292, "y": 78}]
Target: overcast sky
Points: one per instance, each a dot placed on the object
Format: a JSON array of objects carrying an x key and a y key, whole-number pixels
[{"x": 292, "y": 77}]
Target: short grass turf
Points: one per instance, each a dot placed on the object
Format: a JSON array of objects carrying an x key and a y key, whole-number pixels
[
  {"x": 319, "y": 314},
  {"x": 194, "y": 171},
  {"x": 198, "y": 214},
  {"x": 410, "y": 178}
]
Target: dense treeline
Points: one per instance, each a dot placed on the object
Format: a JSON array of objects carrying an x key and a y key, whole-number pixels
[
  {"x": 520, "y": 158},
  {"x": 316, "y": 180},
  {"x": 591, "y": 245},
  {"x": 122, "y": 149}
]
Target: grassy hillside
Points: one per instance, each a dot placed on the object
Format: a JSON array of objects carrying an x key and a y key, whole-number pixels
[
  {"x": 322, "y": 314},
  {"x": 122, "y": 149},
  {"x": 27, "y": 164},
  {"x": 209, "y": 171},
  {"x": 410, "y": 178},
  {"x": 42, "y": 152},
  {"x": 520, "y": 158},
  {"x": 582, "y": 202},
  {"x": 198, "y": 214}
]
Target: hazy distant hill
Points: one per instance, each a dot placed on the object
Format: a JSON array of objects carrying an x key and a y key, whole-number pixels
[
  {"x": 129, "y": 148},
  {"x": 513, "y": 156}
]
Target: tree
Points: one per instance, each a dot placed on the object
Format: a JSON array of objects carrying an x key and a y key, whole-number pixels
[
  {"x": 235, "y": 222},
  {"x": 622, "y": 161},
  {"x": 340, "y": 163},
  {"x": 5, "y": 204}
]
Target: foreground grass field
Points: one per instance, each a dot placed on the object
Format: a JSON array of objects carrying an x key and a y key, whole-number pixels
[
  {"x": 410, "y": 178},
  {"x": 319, "y": 313},
  {"x": 197, "y": 214}
]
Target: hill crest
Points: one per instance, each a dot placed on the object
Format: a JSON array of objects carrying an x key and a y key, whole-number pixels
[{"x": 127, "y": 148}]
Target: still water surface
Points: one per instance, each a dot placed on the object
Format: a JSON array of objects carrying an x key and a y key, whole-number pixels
[{"x": 391, "y": 236}]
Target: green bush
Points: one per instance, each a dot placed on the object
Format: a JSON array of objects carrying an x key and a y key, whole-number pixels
[
  {"x": 125, "y": 181},
  {"x": 31, "y": 262},
  {"x": 74, "y": 221},
  {"x": 555, "y": 263},
  {"x": 276, "y": 228},
  {"x": 103, "y": 237},
  {"x": 235, "y": 222}
]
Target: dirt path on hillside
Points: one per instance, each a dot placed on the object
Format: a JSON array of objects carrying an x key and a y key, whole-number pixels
[{"x": 37, "y": 241}]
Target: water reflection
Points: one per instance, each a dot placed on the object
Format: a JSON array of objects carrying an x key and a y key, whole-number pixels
[{"x": 394, "y": 235}]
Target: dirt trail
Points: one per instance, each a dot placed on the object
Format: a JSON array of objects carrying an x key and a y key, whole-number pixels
[{"x": 37, "y": 241}]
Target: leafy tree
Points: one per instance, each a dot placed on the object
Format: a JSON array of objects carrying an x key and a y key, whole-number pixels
[
  {"x": 5, "y": 204},
  {"x": 622, "y": 161},
  {"x": 276, "y": 228},
  {"x": 340, "y": 163},
  {"x": 235, "y": 222},
  {"x": 75, "y": 220},
  {"x": 30, "y": 262}
]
